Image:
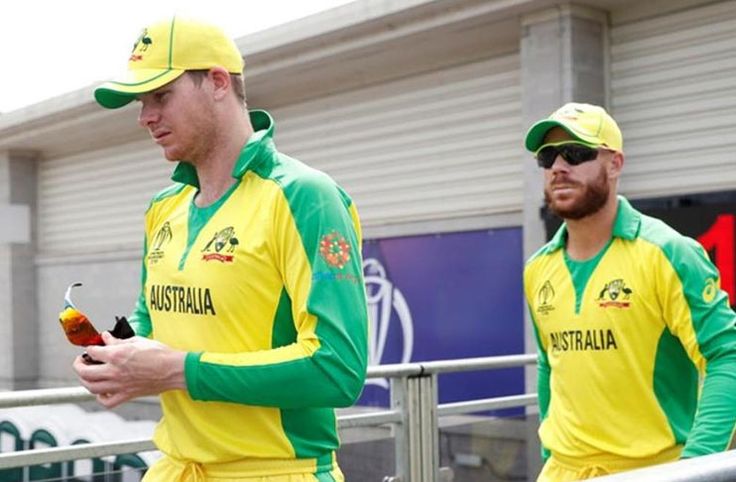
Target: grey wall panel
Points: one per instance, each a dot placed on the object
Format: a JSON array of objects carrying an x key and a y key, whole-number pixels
[
  {"x": 674, "y": 95},
  {"x": 438, "y": 146},
  {"x": 95, "y": 201},
  {"x": 109, "y": 288}
]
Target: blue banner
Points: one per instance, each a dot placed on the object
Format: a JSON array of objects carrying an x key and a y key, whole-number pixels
[{"x": 446, "y": 296}]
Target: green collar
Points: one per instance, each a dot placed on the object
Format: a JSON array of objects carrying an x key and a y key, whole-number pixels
[
  {"x": 626, "y": 225},
  {"x": 263, "y": 127}
]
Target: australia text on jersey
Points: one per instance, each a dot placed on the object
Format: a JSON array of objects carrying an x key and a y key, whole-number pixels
[
  {"x": 182, "y": 299},
  {"x": 583, "y": 340}
]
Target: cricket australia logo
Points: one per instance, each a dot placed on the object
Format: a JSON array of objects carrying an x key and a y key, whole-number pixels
[
  {"x": 545, "y": 297},
  {"x": 222, "y": 243},
  {"x": 615, "y": 294},
  {"x": 160, "y": 239},
  {"x": 140, "y": 46},
  {"x": 387, "y": 308}
]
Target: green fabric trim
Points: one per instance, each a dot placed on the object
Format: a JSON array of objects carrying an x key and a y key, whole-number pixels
[
  {"x": 284, "y": 331},
  {"x": 311, "y": 431},
  {"x": 191, "y": 371},
  {"x": 675, "y": 385},
  {"x": 171, "y": 42},
  {"x": 580, "y": 272},
  {"x": 198, "y": 219},
  {"x": 625, "y": 226},
  {"x": 544, "y": 372},
  {"x": 140, "y": 319},
  {"x": 324, "y": 477},
  {"x": 628, "y": 220},
  {"x": 169, "y": 191},
  {"x": 296, "y": 423}
]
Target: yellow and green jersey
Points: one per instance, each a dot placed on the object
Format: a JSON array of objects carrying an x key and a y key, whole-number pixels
[
  {"x": 623, "y": 339},
  {"x": 264, "y": 290}
]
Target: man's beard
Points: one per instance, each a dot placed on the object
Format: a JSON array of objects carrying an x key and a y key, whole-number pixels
[{"x": 594, "y": 197}]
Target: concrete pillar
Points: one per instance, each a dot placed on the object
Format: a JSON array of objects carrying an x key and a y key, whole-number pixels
[
  {"x": 564, "y": 58},
  {"x": 18, "y": 325}
]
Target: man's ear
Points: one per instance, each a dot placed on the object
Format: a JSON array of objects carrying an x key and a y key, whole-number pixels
[
  {"x": 616, "y": 165},
  {"x": 220, "y": 79}
]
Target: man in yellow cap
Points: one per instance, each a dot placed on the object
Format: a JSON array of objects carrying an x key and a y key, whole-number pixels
[
  {"x": 252, "y": 318},
  {"x": 628, "y": 315}
]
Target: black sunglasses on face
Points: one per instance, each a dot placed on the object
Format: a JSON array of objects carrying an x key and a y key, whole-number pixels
[{"x": 574, "y": 154}]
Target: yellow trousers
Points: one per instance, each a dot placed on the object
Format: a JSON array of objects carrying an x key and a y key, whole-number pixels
[
  {"x": 168, "y": 469},
  {"x": 559, "y": 468}
]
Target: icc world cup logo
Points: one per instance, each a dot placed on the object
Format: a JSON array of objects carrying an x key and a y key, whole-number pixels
[{"x": 387, "y": 312}]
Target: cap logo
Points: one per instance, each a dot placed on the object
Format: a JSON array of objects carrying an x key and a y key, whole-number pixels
[
  {"x": 571, "y": 113},
  {"x": 141, "y": 45}
]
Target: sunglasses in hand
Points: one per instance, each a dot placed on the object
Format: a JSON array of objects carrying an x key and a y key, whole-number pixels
[{"x": 572, "y": 153}]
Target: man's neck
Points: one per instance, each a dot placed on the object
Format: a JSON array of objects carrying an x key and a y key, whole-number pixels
[
  {"x": 214, "y": 170},
  {"x": 587, "y": 236}
]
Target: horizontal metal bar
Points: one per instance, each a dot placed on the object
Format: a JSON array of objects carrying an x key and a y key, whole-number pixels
[
  {"x": 483, "y": 363},
  {"x": 459, "y": 408},
  {"x": 45, "y": 396},
  {"x": 719, "y": 467},
  {"x": 369, "y": 419},
  {"x": 74, "y": 452},
  {"x": 49, "y": 396},
  {"x": 449, "y": 366},
  {"x": 86, "y": 451}
]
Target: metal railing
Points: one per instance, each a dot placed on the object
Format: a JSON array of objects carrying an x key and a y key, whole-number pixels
[
  {"x": 710, "y": 468},
  {"x": 413, "y": 414}
]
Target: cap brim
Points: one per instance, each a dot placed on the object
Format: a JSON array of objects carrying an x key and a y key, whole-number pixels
[
  {"x": 122, "y": 91},
  {"x": 535, "y": 136}
]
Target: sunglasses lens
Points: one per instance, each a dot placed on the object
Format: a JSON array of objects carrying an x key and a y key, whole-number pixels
[
  {"x": 573, "y": 154},
  {"x": 546, "y": 157},
  {"x": 576, "y": 154}
]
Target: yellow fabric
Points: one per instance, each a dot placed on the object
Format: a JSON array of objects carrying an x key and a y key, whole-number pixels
[
  {"x": 588, "y": 123},
  {"x": 602, "y": 359},
  {"x": 565, "y": 469},
  {"x": 168, "y": 469},
  {"x": 163, "y": 51},
  {"x": 216, "y": 431}
]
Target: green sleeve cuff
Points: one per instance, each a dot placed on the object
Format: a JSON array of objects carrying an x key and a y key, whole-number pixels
[{"x": 191, "y": 373}]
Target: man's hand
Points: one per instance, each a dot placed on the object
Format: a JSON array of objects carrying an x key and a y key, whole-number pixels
[{"x": 130, "y": 368}]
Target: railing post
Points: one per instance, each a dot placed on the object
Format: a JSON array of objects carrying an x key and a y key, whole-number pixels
[
  {"x": 404, "y": 399},
  {"x": 429, "y": 432},
  {"x": 417, "y": 449}
]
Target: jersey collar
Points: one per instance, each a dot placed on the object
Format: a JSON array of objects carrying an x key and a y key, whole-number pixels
[
  {"x": 626, "y": 226},
  {"x": 263, "y": 127}
]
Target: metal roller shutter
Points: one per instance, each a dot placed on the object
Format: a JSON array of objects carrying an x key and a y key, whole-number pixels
[
  {"x": 673, "y": 92},
  {"x": 442, "y": 145},
  {"x": 437, "y": 146},
  {"x": 95, "y": 201}
]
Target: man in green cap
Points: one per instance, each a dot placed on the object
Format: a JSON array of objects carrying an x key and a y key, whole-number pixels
[
  {"x": 252, "y": 316},
  {"x": 628, "y": 316}
]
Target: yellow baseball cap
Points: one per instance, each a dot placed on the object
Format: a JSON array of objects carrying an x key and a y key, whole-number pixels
[
  {"x": 587, "y": 123},
  {"x": 164, "y": 51}
]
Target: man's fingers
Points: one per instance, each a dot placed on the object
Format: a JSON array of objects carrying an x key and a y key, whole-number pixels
[
  {"x": 109, "y": 400},
  {"x": 109, "y": 339},
  {"x": 99, "y": 353}
]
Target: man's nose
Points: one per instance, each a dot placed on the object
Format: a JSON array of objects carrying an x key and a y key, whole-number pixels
[
  {"x": 560, "y": 164},
  {"x": 147, "y": 116}
]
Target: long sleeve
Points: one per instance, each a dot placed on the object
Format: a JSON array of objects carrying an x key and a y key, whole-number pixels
[
  {"x": 543, "y": 382},
  {"x": 319, "y": 354},
  {"x": 698, "y": 313}
]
